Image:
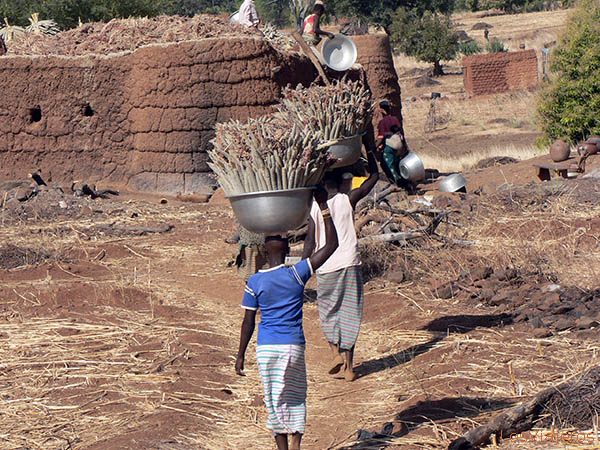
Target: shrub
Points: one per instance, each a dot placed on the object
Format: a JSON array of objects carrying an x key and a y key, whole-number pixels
[
  {"x": 469, "y": 48},
  {"x": 495, "y": 45},
  {"x": 569, "y": 104}
]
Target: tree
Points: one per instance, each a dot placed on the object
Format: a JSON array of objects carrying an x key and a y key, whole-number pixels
[
  {"x": 429, "y": 38},
  {"x": 569, "y": 105}
]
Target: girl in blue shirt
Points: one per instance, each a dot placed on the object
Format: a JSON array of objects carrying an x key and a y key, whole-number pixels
[{"x": 279, "y": 294}]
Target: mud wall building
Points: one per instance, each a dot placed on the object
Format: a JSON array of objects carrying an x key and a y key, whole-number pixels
[
  {"x": 494, "y": 73},
  {"x": 143, "y": 120}
]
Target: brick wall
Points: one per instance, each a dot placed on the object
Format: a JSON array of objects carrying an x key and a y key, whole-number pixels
[{"x": 493, "y": 73}]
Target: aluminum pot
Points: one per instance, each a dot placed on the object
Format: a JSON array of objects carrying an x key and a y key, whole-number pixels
[
  {"x": 411, "y": 167},
  {"x": 346, "y": 151},
  {"x": 453, "y": 183},
  {"x": 272, "y": 211},
  {"x": 339, "y": 53}
]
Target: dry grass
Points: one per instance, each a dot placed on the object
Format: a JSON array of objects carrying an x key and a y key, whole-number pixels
[{"x": 445, "y": 162}]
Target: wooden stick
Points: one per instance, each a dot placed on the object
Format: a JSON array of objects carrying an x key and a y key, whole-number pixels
[{"x": 313, "y": 58}]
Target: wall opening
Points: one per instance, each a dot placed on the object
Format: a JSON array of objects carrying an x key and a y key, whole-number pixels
[
  {"x": 87, "y": 110},
  {"x": 35, "y": 114}
]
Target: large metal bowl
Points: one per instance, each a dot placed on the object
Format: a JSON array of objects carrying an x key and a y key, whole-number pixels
[
  {"x": 339, "y": 53},
  {"x": 453, "y": 183},
  {"x": 411, "y": 167},
  {"x": 346, "y": 151},
  {"x": 272, "y": 211}
]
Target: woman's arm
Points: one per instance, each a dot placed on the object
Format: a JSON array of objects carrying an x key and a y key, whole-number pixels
[
  {"x": 246, "y": 333},
  {"x": 309, "y": 240},
  {"x": 359, "y": 193},
  {"x": 331, "y": 237}
]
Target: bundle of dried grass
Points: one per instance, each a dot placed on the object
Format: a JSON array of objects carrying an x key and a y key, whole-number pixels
[
  {"x": 265, "y": 154},
  {"x": 341, "y": 110},
  {"x": 120, "y": 35}
]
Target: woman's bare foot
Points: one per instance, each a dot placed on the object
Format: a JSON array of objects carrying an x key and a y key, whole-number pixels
[
  {"x": 350, "y": 375},
  {"x": 336, "y": 365}
]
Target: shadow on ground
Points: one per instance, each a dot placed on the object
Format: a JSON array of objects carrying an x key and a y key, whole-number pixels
[{"x": 442, "y": 325}]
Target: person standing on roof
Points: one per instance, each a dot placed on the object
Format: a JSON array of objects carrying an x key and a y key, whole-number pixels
[
  {"x": 248, "y": 16},
  {"x": 311, "y": 30}
]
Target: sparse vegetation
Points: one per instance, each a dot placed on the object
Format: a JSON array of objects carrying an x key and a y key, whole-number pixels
[
  {"x": 467, "y": 48},
  {"x": 495, "y": 45},
  {"x": 570, "y": 103}
]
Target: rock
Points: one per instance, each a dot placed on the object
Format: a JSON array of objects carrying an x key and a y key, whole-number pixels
[
  {"x": 23, "y": 194},
  {"x": 194, "y": 198},
  {"x": 445, "y": 291},
  {"x": 506, "y": 275},
  {"x": 481, "y": 273},
  {"x": 383, "y": 348},
  {"x": 564, "y": 324},
  {"x": 550, "y": 302},
  {"x": 500, "y": 298},
  {"x": 580, "y": 311},
  {"x": 63, "y": 205},
  {"x": 541, "y": 333},
  {"x": 536, "y": 322},
  {"x": 583, "y": 323},
  {"x": 396, "y": 276},
  {"x": 486, "y": 295}
]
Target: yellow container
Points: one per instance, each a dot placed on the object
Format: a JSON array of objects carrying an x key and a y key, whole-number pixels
[{"x": 358, "y": 181}]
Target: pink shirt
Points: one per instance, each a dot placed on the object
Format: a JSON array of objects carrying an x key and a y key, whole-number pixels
[{"x": 384, "y": 128}]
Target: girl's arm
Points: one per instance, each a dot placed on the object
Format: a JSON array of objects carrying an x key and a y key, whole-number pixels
[{"x": 246, "y": 333}]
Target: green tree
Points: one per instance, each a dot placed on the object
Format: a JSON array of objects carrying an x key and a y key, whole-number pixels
[
  {"x": 569, "y": 105},
  {"x": 429, "y": 38}
]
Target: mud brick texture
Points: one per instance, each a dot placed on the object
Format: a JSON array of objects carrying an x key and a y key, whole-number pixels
[
  {"x": 494, "y": 73},
  {"x": 375, "y": 55},
  {"x": 143, "y": 120}
]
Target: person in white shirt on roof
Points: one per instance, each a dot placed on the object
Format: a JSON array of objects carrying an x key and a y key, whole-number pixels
[{"x": 248, "y": 16}]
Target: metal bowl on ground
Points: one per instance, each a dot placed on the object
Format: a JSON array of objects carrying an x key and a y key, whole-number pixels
[
  {"x": 347, "y": 151},
  {"x": 411, "y": 167},
  {"x": 453, "y": 183},
  {"x": 272, "y": 211},
  {"x": 339, "y": 53}
]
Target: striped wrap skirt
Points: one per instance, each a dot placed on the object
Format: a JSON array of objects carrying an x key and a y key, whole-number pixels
[
  {"x": 283, "y": 373},
  {"x": 340, "y": 302}
]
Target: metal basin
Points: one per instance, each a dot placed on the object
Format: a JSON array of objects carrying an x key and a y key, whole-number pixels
[
  {"x": 272, "y": 211},
  {"x": 347, "y": 151},
  {"x": 339, "y": 53},
  {"x": 453, "y": 183},
  {"x": 411, "y": 167}
]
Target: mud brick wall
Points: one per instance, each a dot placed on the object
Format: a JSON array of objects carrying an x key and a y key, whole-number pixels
[
  {"x": 141, "y": 120},
  {"x": 44, "y": 122},
  {"x": 494, "y": 73},
  {"x": 375, "y": 55}
]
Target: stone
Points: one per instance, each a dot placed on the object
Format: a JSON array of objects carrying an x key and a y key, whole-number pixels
[
  {"x": 481, "y": 273},
  {"x": 500, "y": 298},
  {"x": 564, "y": 324},
  {"x": 486, "y": 295},
  {"x": 584, "y": 323},
  {"x": 541, "y": 333},
  {"x": 396, "y": 276},
  {"x": 445, "y": 291},
  {"x": 536, "y": 322}
]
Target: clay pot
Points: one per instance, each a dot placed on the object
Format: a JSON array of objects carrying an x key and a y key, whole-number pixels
[
  {"x": 560, "y": 151},
  {"x": 594, "y": 140},
  {"x": 589, "y": 148}
]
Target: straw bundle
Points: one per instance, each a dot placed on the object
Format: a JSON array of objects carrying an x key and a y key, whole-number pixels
[
  {"x": 265, "y": 154},
  {"x": 340, "y": 110},
  {"x": 287, "y": 150}
]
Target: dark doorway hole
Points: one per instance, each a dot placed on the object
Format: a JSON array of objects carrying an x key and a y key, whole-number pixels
[
  {"x": 87, "y": 110},
  {"x": 35, "y": 114}
]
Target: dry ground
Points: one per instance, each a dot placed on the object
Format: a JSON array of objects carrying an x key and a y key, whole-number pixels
[{"x": 112, "y": 339}]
